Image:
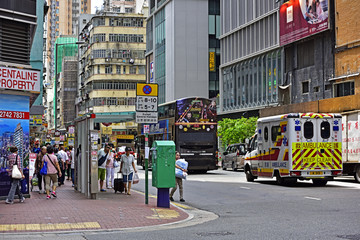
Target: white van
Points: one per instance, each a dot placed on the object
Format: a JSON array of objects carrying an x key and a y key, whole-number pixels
[{"x": 295, "y": 146}]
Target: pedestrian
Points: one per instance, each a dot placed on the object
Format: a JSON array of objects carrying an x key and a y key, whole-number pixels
[
  {"x": 72, "y": 166},
  {"x": 178, "y": 182},
  {"x": 68, "y": 163},
  {"x": 14, "y": 159},
  {"x": 127, "y": 168},
  {"x": 103, "y": 154},
  {"x": 53, "y": 171},
  {"x": 64, "y": 158},
  {"x": 110, "y": 170},
  {"x": 38, "y": 164}
]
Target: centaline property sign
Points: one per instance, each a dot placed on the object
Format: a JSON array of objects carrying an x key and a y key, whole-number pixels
[{"x": 20, "y": 79}]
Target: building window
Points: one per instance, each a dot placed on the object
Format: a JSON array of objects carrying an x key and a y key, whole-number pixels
[
  {"x": 126, "y": 38},
  {"x": 118, "y": 69},
  {"x": 99, "y": 53},
  {"x": 305, "y": 87},
  {"x": 132, "y": 70},
  {"x": 305, "y": 54},
  {"x": 344, "y": 89},
  {"x": 98, "y": 38},
  {"x": 141, "y": 69},
  {"x": 124, "y": 70},
  {"x": 98, "y": 69},
  {"x": 98, "y": 22},
  {"x": 129, "y": 10},
  {"x": 108, "y": 69}
]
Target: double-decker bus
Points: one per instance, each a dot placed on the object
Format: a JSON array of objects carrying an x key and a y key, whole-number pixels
[{"x": 191, "y": 124}]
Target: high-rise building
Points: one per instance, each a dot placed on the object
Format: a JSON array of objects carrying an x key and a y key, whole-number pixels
[
  {"x": 251, "y": 67},
  {"x": 183, "y": 50},
  {"x": 62, "y": 19},
  {"x": 112, "y": 61}
]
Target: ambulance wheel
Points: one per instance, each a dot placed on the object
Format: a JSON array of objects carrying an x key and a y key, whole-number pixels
[
  {"x": 357, "y": 174},
  {"x": 249, "y": 176},
  {"x": 279, "y": 179},
  {"x": 319, "y": 182}
]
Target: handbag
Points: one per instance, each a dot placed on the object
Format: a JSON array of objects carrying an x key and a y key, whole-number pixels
[
  {"x": 116, "y": 164},
  {"x": 15, "y": 173},
  {"x": 43, "y": 170},
  {"x": 102, "y": 160},
  {"x": 136, "y": 178}
]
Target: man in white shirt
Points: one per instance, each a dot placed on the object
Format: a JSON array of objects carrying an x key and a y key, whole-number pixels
[
  {"x": 102, "y": 168},
  {"x": 64, "y": 157}
]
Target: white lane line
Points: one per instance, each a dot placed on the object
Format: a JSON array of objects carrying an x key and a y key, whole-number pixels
[
  {"x": 245, "y": 187},
  {"x": 312, "y": 198}
]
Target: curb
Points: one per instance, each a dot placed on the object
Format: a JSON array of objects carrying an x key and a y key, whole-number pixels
[{"x": 196, "y": 216}]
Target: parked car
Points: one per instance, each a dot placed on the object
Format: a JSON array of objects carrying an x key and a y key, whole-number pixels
[{"x": 234, "y": 156}]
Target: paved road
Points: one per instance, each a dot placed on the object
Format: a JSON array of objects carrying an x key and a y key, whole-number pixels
[{"x": 260, "y": 210}]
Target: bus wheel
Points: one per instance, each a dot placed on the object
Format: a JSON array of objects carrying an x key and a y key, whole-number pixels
[
  {"x": 319, "y": 182},
  {"x": 249, "y": 176},
  {"x": 279, "y": 179},
  {"x": 357, "y": 174}
]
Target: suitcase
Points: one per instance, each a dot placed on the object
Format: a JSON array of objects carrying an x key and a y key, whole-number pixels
[{"x": 118, "y": 184}]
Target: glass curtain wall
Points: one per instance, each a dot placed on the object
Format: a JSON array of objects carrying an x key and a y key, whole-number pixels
[
  {"x": 253, "y": 83},
  {"x": 160, "y": 53}
]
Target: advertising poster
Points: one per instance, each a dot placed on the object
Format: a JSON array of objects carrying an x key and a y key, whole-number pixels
[
  {"x": 302, "y": 18},
  {"x": 197, "y": 110},
  {"x": 14, "y": 131}
]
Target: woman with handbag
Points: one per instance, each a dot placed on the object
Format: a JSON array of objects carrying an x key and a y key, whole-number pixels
[
  {"x": 16, "y": 175},
  {"x": 53, "y": 169}
]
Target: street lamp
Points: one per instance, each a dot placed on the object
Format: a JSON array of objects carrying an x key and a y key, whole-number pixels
[{"x": 55, "y": 85}]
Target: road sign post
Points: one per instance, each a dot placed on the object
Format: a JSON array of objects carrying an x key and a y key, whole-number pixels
[{"x": 146, "y": 112}]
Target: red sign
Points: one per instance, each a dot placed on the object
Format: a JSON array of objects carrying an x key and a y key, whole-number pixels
[
  {"x": 20, "y": 79},
  {"x": 14, "y": 114},
  {"x": 301, "y": 18}
]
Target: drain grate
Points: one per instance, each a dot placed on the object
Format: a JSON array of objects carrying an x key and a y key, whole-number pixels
[
  {"x": 208, "y": 234},
  {"x": 350, "y": 237}
]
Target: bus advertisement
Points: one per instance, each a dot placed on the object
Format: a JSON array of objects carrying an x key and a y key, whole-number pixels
[{"x": 191, "y": 124}]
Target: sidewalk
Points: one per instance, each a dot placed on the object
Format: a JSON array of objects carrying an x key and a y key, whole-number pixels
[{"x": 72, "y": 211}]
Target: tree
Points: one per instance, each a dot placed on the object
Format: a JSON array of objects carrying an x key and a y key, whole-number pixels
[{"x": 236, "y": 130}]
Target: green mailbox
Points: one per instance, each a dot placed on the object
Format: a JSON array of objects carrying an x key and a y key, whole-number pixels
[{"x": 163, "y": 164}]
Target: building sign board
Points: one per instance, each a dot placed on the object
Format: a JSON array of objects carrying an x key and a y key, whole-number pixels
[
  {"x": 212, "y": 67},
  {"x": 20, "y": 79},
  {"x": 300, "y": 19}
]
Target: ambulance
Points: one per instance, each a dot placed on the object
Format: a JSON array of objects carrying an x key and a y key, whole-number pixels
[{"x": 296, "y": 146}]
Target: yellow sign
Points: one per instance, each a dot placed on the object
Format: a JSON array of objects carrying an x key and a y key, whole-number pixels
[
  {"x": 107, "y": 130},
  {"x": 147, "y": 89},
  {"x": 212, "y": 67},
  {"x": 125, "y": 136}
]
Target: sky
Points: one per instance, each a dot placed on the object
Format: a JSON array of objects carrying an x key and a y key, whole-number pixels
[{"x": 95, "y": 3}]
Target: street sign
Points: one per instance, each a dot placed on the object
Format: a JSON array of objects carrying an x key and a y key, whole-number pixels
[
  {"x": 146, "y": 104},
  {"x": 147, "y": 89},
  {"x": 146, "y": 128},
  {"x": 146, "y": 117}
]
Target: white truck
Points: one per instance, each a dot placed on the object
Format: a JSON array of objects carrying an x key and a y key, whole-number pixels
[
  {"x": 296, "y": 146},
  {"x": 351, "y": 144}
]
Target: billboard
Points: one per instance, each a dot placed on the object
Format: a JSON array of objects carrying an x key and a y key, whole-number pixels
[
  {"x": 14, "y": 131},
  {"x": 20, "y": 79},
  {"x": 302, "y": 18},
  {"x": 195, "y": 110}
]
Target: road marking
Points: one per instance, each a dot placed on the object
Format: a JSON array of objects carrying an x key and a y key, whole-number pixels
[
  {"x": 182, "y": 206},
  {"x": 245, "y": 187},
  {"x": 56, "y": 226},
  {"x": 312, "y": 198},
  {"x": 163, "y": 214}
]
